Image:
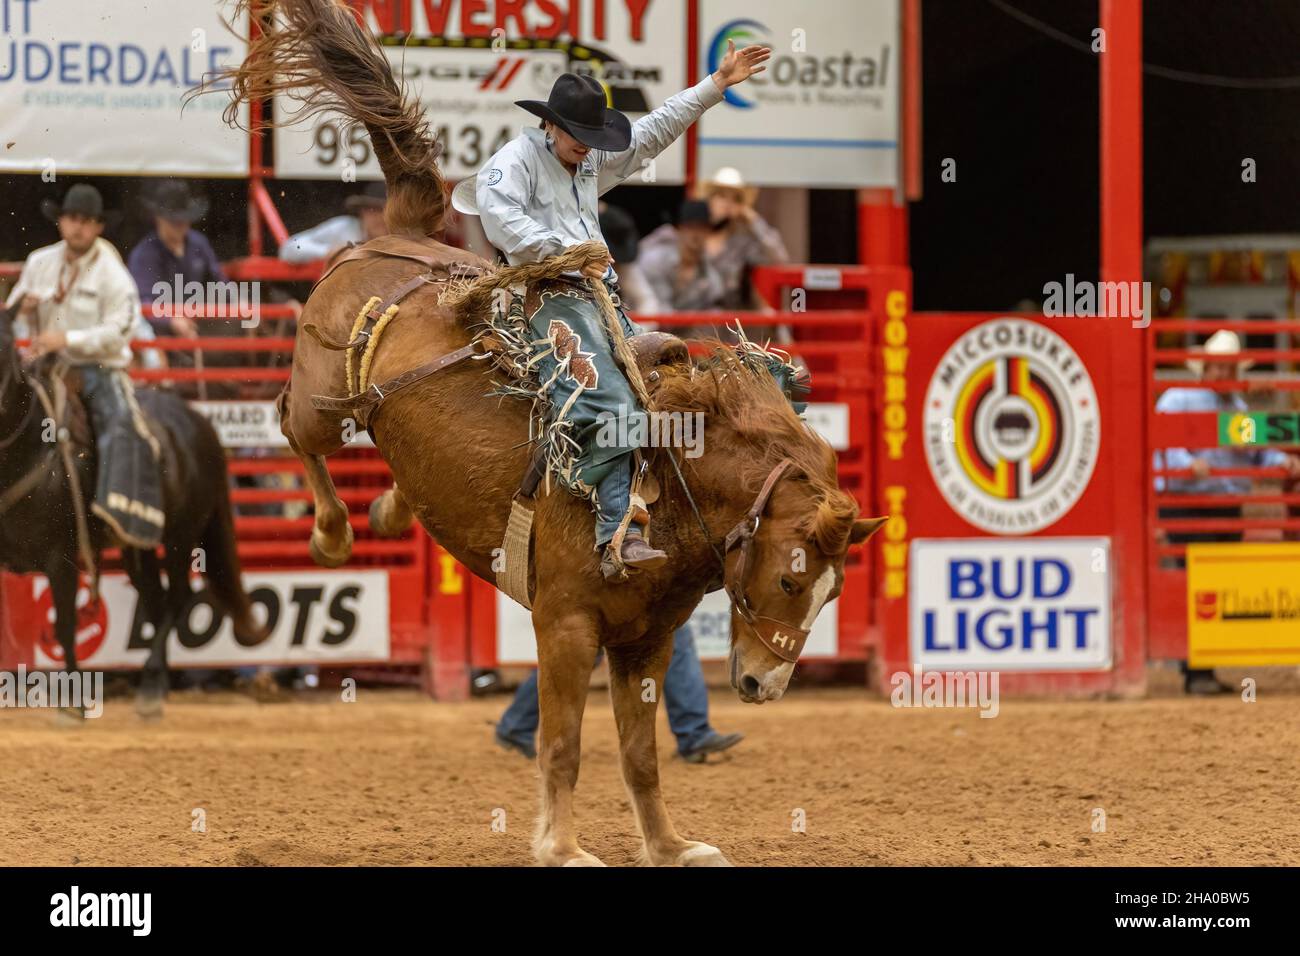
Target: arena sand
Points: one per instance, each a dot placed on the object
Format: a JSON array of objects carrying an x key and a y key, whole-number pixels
[{"x": 397, "y": 779}]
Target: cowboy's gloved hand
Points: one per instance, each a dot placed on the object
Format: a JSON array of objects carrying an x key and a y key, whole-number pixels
[{"x": 738, "y": 66}]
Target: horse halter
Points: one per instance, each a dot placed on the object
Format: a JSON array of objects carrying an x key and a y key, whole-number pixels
[{"x": 781, "y": 638}]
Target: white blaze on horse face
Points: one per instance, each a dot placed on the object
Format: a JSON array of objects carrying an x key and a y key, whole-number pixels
[{"x": 820, "y": 590}]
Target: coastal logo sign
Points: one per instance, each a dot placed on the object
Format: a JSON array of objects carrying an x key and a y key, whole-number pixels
[
  {"x": 1012, "y": 429},
  {"x": 743, "y": 33}
]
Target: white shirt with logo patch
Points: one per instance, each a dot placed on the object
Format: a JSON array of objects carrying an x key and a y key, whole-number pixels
[{"x": 99, "y": 310}]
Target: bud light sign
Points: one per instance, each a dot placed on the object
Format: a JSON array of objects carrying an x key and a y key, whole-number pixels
[{"x": 1021, "y": 604}]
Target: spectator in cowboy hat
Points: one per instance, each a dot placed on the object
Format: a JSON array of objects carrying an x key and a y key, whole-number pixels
[
  {"x": 362, "y": 221},
  {"x": 174, "y": 252},
  {"x": 1200, "y": 462},
  {"x": 741, "y": 238},
  {"x": 676, "y": 267}
]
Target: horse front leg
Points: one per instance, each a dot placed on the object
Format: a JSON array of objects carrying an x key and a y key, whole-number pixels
[
  {"x": 636, "y": 680},
  {"x": 144, "y": 571},
  {"x": 566, "y": 653},
  {"x": 63, "y": 589}
]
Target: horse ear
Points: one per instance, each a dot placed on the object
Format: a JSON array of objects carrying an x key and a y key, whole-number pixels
[{"x": 864, "y": 528}]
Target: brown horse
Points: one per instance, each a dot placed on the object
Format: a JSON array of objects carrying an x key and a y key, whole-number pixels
[{"x": 772, "y": 525}]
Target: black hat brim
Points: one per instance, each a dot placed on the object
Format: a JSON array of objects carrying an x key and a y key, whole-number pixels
[
  {"x": 196, "y": 210},
  {"x": 614, "y": 137},
  {"x": 52, "y": 211}
]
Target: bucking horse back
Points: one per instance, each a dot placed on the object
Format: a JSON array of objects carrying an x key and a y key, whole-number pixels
[{"x": 403, "y": 336}]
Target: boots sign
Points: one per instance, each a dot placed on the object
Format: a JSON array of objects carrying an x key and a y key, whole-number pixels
[{"x": 315, "y": 617}]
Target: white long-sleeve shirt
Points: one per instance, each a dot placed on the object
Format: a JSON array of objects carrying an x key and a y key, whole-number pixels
[
  {"x": 531, "y": 208},
  {"x": 100, "y": 308}
]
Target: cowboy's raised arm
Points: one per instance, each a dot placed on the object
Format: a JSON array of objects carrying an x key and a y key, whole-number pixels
[
  {"x": 655, "y": 132},
  {"x": 503, "y": 192}
]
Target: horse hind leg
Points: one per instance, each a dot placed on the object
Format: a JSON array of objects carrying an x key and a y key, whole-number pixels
[
  {"x": 390, "y": 514},
  {"x": 144, "y": 571},
  {"x": 63, "y": 590}
]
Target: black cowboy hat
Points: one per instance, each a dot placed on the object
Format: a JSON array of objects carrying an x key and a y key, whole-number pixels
[
  {"x": 374, "y": 196},
  {"x": 82, "y": 199},
  {"x": 577, "y": 106},
  {"x": 171, "y": 200}
]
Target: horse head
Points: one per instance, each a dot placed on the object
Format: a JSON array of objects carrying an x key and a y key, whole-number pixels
[
  {"x": 784, "y": 563},
  {"x": 783, "y": 560}
]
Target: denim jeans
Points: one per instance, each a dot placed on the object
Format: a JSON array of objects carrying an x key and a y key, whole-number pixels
[
  {"x": 686, "y": 698},
  {"x": 613, "y": 494}
]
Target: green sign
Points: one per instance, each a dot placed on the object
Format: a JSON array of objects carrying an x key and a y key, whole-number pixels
[{"x": 1259, "y": 428}]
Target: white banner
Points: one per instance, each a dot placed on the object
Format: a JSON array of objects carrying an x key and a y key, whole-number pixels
[
  {"x": 710, "y": 625},
  {"x": 826, "y": 111},
  {"x": 1010, "y": 604},
  {"x": 321, "y": 617},
  {"x": 468, "y": 62},
  {"x": 95, "y": 86},
  {"x": 254, "y": 424}
]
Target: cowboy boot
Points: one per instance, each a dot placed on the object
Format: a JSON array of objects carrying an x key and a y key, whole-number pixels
[{"x": 635, "y": 553}]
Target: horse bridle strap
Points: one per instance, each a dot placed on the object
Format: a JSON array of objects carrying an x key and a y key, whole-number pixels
[{"x": 781, "y": 638}]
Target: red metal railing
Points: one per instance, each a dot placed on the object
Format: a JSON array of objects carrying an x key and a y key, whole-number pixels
[{"x": 1271, "y": 516}]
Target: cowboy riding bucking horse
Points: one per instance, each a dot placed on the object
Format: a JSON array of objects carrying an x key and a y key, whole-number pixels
[{"x": 536, "y": 197}]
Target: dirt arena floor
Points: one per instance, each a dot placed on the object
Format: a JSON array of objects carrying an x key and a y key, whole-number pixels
[{"x": 396, "y": 779}]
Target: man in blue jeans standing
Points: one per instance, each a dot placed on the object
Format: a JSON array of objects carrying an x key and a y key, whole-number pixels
[{"x": 685, "y": 697}]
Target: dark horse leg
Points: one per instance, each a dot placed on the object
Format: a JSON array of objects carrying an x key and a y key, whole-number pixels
[
  {"x": 143, "y": 569},
  {"x": 630, "y": 666},
  {"x": 566, "y": 652},
  {"x": 62, "y": 575}
]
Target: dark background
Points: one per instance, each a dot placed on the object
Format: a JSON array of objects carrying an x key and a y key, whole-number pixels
[{"x": 1017, "y": 110}]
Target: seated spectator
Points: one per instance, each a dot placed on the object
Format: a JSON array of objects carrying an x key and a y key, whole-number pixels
[
  {"x": 1201, "y": 461},
  {"x": 741, "y": 239},
  {"x": 363, "y": 221},
  {"x": 675, "y": 267},
  {"x": 619, "y": 231},
  {"x": 174, "y": 249}
]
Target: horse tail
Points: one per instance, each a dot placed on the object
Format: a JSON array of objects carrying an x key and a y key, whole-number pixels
[
  {"x": 223, "y": 570},
  {"x": 319, "y": 54},
  {"x": 221, "y": 556}
]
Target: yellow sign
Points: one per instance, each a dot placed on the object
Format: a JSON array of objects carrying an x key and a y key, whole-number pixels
[{"x": 1243, "y": 604}]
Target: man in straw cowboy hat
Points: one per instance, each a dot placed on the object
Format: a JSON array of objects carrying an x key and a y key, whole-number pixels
[
  {"x": 1201, "y": 462},
  {"x": 78, "y": 299},
  {"x": 538, "y": 196},
  {"x": 740, "y": 239}
]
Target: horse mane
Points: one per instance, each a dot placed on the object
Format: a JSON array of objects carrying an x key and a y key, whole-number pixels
[{"x": 747, "y": 399}]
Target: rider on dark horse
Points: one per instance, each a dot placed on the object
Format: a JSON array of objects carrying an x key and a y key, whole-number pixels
[
  {"x": 537, "y": 197},
  {"x": 76, "y": 298}
]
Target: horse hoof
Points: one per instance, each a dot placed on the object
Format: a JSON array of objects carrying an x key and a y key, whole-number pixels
[
  {"x": 149, "y": 708},
  {"x": 701, "y": 854},
  {"x": 576, "y": 857},
  {"x": 331, "y": 559},
  {"x": 70, "y": 717},
  {"x": 378, "y": 524}
]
